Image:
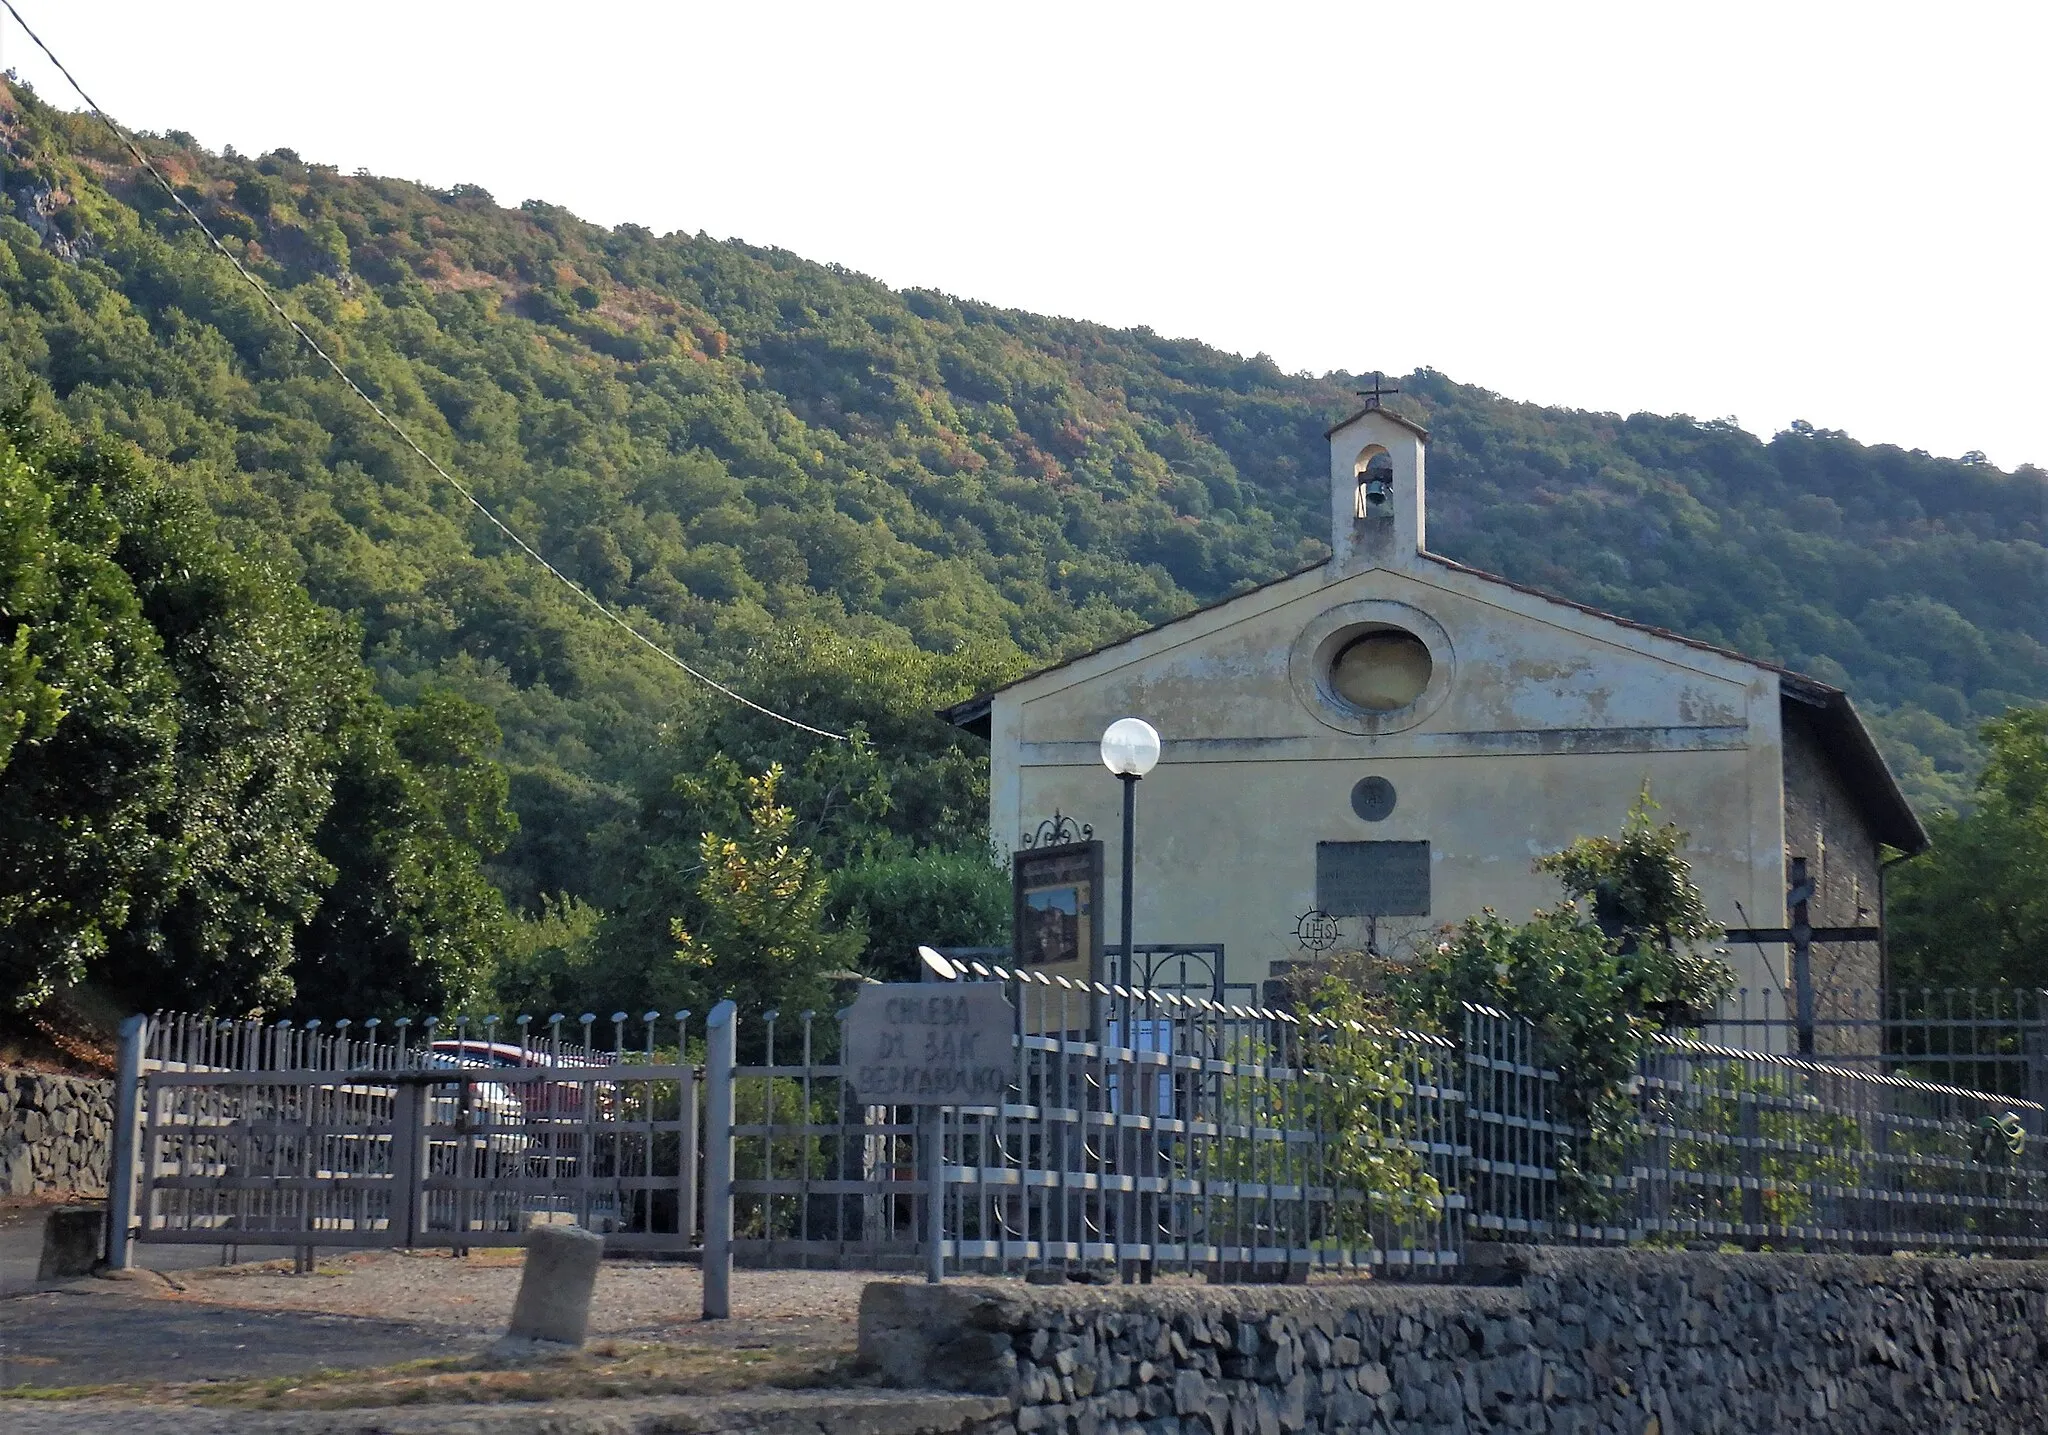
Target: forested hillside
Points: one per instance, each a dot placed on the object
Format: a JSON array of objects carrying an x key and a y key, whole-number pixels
[{"x": 856, "y": 503}]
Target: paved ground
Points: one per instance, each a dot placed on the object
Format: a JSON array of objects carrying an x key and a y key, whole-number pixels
[
  {"x": 99, "y": 1332},
  {"x": 21, "y": 1249},
  {"x": 634, "y": 1300},
  {"x": 763, "y": 1412}
]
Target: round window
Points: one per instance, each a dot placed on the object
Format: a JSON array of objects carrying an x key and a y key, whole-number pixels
[{"x": 1381, "y": 670}]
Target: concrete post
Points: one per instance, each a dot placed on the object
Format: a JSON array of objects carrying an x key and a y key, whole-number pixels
[
  {"x": 721, "y": 1056},
  {"x": 71, "y": 1242},
  {"x": 555, "y": 1284},
  {"x": 122, "y": 1156}
]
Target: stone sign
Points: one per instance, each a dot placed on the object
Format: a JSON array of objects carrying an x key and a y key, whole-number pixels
[{"x": 931, "y": 1044}]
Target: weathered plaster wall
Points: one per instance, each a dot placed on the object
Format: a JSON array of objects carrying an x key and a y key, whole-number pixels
[
  {"x": 54, "y": 1133},
  {"x": 1540, "y": 725},
  {"x": 1589, "y": 1341}
]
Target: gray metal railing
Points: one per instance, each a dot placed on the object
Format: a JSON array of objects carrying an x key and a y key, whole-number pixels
[
  {"x": 1144, "y": 1129},
  {"x": 1140, "y": 1130},
  {"x": 1992, "y": 1039},
  {"x": 1752, "y": 1149},
  {"x": 405, "y": 1134}
]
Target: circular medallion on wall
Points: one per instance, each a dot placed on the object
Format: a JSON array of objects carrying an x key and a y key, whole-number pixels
[
  {"x": 1373, "y": 799},
  {"x": 1316, "y": 930}
]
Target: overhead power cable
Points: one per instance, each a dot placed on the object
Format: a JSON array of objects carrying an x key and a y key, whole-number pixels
[{"x": 406, "y": 438}]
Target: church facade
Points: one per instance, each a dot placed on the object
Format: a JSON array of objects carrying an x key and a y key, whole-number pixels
[{"x": 1379, "y": 745}]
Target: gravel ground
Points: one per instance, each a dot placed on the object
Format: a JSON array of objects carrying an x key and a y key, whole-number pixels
[
  {"x": 474, "y": 1295},
  {"x": 380, "y": 1309}
]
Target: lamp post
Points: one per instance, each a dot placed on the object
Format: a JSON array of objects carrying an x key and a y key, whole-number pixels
[{"x": 1130, "y": 749}]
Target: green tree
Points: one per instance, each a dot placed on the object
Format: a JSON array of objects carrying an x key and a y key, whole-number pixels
[
  {"x": 901, "y": 806},
  {"x": 547, "y": 962},
  {"x": 29, "y": 706},
  {"x": 411, "y": 923},
  {"x": 92, "y": 731},
  {"x": 1973, "y": 911},
  {"x": 932, "y": 897},
  {"x": 182, "y": 722},
  {"x": 261, "y": 677},
  {"x": 762, "y": 939}
]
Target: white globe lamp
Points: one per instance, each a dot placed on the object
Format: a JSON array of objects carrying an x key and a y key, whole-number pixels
[{"x": 1130, "y": 747}]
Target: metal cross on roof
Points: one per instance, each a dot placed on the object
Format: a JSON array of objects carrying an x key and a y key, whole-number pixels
[{"x": 1379, "y": 390}]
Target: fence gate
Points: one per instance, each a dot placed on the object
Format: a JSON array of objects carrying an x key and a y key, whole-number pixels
[{"x": 242, "y": 1133}]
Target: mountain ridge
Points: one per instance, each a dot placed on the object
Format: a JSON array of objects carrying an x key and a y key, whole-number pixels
[{"x": 732, "y": 444}]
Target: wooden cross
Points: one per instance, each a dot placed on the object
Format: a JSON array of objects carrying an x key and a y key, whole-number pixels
[{"x": 1379, "y": 390}]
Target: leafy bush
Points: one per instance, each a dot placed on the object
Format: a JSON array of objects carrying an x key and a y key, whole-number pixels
[{"x": 1599, "y": 975}]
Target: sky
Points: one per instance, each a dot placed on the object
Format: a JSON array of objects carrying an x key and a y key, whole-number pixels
[{"x": 1835, "y": 213}]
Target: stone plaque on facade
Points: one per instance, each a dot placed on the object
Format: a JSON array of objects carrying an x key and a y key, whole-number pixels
[
  {"x": 1373, "y": 879},
  {"x": 931, "y": 1044}
]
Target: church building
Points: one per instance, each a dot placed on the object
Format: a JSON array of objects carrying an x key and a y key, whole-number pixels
[{"x": 1377, "y": 746}]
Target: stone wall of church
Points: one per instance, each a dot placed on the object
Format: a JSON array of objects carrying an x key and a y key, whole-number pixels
[{"x": 1824, "y": 824}]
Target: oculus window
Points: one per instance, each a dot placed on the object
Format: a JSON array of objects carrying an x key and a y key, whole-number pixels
[{"x": 1381, "y": 671}]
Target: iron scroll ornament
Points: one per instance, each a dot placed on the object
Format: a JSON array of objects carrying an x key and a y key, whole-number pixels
[
  {"x": 1167, "y": 968},
  {"x": 1058, "y": 830}
]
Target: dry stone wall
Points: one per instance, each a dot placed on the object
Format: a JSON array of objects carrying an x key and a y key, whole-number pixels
[
  {"x": 54, "y": 1134},
  {"x": 1586, "y": 1343}
]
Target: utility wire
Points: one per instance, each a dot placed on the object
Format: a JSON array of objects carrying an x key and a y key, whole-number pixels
[{"x": 278, "y": 309}]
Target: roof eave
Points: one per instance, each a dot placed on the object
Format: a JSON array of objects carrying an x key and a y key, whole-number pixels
[
  {"x": 1892, "y": 819},
  {"x": 972, "y": 715},
  {"x": 1409, "y": 424},
  {"x": 975, "y": 710}
]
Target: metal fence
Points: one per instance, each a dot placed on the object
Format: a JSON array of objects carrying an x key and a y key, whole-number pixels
[
  {"x": 1992, "y": 1039},
  {"x": 1750, "y": 1149},
  {"x": 1148, "y": 1130},
  {"x": 1143, "y": 1130},
  {"x": 403, "y": 1134}
]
